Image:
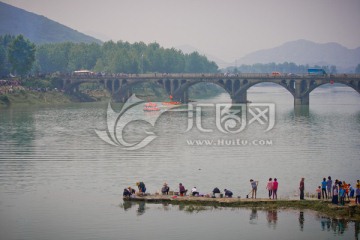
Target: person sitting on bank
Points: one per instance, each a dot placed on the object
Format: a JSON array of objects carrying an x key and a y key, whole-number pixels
[
  {"x": 141, "y": 187},
  {"x": 131, "y": 190},
  {"x": 165, "y": 189},
  {"x": 126, "y": 193},
  {"x": 194, "y": 191},
  {"x": 228, "y": 193},
  {"x": 182, "y": 189},
  {"x": 216, "y": 191}
]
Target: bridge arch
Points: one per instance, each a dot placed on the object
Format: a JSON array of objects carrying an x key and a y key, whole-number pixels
[
  {"x": 180, "y": 90},
  {"x": 289, "y": 85},
  {"x": 221, "y": 83},
  {"x": 351, "y": 84},
  {"x": 75, "y": 86},
  {"x": 206, "y": 87},
  {"x": 338, "y": 94}
]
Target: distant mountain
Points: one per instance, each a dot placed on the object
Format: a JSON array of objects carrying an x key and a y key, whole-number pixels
[
  {"x": 36, "y": 28},
  {"x": 187, "y": 49},
  {"x": 307, "y": 52}
]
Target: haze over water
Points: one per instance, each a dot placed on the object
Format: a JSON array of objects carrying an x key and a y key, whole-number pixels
[{"x": 59, "y": 180}]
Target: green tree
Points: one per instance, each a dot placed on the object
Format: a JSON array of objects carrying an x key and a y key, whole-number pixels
[
  {"x": 5, "y": 66},
  {"x": 3, "y": 60},
  {"x": 21, "y": 55},
  {"x": 83, "y": 56},
  {"x": 53, "y": 57}
]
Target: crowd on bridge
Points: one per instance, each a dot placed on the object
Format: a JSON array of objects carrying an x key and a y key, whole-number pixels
[
  {"x": 10, "y": 86},
  {"x": 337, "y": 191}
]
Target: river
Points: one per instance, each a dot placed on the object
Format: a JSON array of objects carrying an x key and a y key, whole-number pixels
[{"x": 59, "y": 180}]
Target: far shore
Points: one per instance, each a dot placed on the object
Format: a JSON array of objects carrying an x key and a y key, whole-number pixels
[{"x": 350, "y": 211}]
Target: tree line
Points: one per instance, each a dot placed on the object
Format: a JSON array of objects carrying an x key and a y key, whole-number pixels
[
  {"x": 110, "y": 57},
  {"x": 21, "y": 57}
]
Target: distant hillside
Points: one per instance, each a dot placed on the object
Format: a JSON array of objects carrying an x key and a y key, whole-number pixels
[
  {"x": 307, "y": 52},
  {"x": 36, "y": 28}
]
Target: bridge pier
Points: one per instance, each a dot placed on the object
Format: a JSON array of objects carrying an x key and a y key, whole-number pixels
[
  {"x": 301, "y": 96},
  {"x": 181, "y": 96},
  {"x": 240, "y": 98},
  {"x": 122, "y": 95},
  {"x": 301, "y": 110},
  {"x": 304, "y": 100}
]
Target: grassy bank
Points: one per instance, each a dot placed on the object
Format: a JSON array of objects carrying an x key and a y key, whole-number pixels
[
  {"x": 26, "y": 97},
  {"x": 349, "y": 212},
  {"x": 33, "y": 98}
]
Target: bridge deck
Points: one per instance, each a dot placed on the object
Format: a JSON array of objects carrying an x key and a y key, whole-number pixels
[{"x": 206, "y": 76}]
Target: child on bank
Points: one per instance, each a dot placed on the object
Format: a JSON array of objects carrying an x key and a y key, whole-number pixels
[{"x": 318, "y": 190}]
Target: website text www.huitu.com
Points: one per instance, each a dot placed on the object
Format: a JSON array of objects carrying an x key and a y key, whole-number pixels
[{"x": 229, "y": 142}]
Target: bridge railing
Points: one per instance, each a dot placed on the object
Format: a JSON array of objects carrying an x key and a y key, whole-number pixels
[{"x": 200, "y": 76}]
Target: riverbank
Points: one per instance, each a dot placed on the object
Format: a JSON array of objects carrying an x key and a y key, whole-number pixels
[
  {"x": 349, "y": 211},
  {"x": 38, "y": 91},
  {"x": 31, "y": 97}
]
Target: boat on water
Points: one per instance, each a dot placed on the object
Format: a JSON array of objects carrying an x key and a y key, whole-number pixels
[
  {"x": 151, "y": 107},
  {"x": 171, "y": 103}
]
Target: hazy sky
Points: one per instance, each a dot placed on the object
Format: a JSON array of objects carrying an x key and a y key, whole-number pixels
[{"x": 228, "y": 29}]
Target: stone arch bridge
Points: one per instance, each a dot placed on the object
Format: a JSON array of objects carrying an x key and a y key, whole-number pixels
[{"x": 177, "y": 85}]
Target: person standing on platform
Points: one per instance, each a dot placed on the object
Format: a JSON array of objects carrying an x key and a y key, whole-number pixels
[
  {"x": 254, "y": 185},
  {"x": 269, "y": 187},
  {"x": 275, "y": 188},
  {"x": 335, "y": 194},
  {"x": 302, "y": 188},
  {"x": 323, "y": 188},
  {"x": 329, "y": 186},
  {"x": 357, "y": 193}
]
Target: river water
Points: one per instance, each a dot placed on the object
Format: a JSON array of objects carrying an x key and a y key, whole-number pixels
[{"x": 59, "y": 180}]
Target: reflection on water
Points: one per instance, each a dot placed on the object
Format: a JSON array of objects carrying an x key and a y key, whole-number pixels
[
  {"x": 274, "y": 218},
  {"x": 253, "y": 216},
  {"x": 338, "y": 226},
  {"x": 20, "y": 129},
  {"x": 141, "y": 209},
  {"x": 301, "y": 220}
]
